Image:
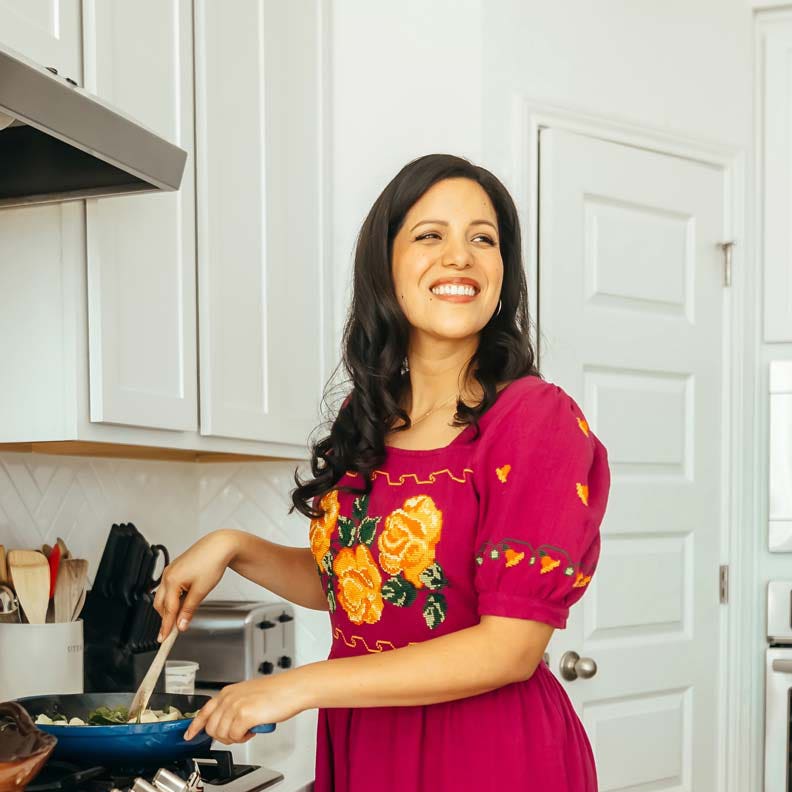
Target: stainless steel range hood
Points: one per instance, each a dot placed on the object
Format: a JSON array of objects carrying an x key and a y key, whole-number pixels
[{"x": 60, "y": 143}]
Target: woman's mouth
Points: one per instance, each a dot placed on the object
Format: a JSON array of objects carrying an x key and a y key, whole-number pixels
[{"x": 455, "y": 292}]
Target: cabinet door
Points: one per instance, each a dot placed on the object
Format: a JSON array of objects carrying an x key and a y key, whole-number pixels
[
  {"x": 260, "y": 286},
  {"x": 774, "y": 52},
  {"x": 46, "y": 31},
  {"x": 141, "y": 249}
]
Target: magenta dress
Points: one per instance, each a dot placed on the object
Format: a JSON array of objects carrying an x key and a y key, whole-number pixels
[{"x": 504, "y": 524}]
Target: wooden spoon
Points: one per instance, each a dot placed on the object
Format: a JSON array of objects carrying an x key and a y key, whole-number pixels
[
  {"x": 72, "y": 575},
  {"x": 30, "y": 573},
  {"x": 143, "y": 694}
]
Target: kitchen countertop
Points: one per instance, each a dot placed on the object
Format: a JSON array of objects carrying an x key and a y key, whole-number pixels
[{"x": 297, "y": 762}]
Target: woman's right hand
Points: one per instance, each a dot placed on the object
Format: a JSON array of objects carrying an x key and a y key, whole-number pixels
[{"x": 194, "y": 573}]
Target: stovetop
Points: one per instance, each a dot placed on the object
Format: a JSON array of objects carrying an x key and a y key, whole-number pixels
[{"x": 217, "y": 772}]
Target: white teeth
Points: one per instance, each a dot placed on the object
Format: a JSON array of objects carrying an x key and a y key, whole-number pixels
[{"x": 455, "y": 288}]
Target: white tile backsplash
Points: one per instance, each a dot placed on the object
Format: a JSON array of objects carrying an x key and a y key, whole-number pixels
[{"x": 171, "y": 503}]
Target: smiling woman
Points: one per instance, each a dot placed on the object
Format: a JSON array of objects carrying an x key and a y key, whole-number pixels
[{"x": 455, "y": 508}]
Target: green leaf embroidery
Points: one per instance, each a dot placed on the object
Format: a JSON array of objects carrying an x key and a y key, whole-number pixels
[
  {"x": 399, "y": 591},
  {"x": 434, "y": 611},
  {"x": 347, "y": 531},
  {"x": 360, "y": 507},
  {"x": 331, "y": 600},
  {"x": 327, "y": 563},
  {"x": 433, "y": 577},
  {"x": 368, "y": 529}
]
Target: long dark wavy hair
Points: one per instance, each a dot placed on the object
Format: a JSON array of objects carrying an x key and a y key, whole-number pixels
[{"x": 376, "y": 334}]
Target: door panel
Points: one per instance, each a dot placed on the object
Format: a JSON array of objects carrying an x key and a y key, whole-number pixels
[{"x": 630, "y": 320}]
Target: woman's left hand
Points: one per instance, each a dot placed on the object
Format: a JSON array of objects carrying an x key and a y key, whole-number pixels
[{"x": 229, "y": 716}]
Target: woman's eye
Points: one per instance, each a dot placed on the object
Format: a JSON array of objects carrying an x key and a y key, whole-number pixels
[{"x": 434, "y": 234}]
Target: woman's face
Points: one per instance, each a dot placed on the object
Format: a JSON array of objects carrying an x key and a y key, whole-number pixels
[{"x": 447, "y": 266}]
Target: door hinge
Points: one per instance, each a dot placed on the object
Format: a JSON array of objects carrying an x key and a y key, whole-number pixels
[
  {"x": 723, "y": 583},
  {"x": 727, "y": 261}
]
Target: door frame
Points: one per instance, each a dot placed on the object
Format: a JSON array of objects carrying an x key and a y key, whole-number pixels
[{"x": 738, "y": 712}]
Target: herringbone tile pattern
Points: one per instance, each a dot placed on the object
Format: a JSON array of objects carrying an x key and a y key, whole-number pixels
[{"x": 79, "y": 498}]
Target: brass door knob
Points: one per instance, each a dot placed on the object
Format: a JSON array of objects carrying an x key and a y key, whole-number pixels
[{"x": 573, "y": 666}]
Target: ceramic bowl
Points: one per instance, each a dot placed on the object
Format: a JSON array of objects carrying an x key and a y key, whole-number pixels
[{"x": 23, "y": 747}]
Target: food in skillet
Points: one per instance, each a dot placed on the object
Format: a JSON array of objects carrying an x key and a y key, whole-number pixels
[{"x": 111, "y": 716}]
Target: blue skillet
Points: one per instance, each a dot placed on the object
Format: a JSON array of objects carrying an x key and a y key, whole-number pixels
[{"x": 145, "y": 743}]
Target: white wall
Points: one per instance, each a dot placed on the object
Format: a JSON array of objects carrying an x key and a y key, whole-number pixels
[{"x": 411, "y": 77}]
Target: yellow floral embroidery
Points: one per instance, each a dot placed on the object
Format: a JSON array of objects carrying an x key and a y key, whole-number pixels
[
  {"x": 359, "y": 584},
  {"x": 582, "y": 491},
  {"x": 584, "y": 427},
  {"x": 407, "y": 544},
  {"x": 322, "y": 528},
  {"x": 379, "y": 645},
  {"x": 513, "y": 557},
  {"x": 432, "y": 477},
  {"x": 581, "y": 580},
  {"x": 548, "y": 564},
  {"x": 503, "y": 473}
]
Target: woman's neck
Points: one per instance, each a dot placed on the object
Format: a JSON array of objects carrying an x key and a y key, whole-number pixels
[{"x": 437, "y": 373}]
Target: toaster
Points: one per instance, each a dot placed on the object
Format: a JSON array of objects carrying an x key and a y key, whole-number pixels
[{"x": 233, "y": 641}]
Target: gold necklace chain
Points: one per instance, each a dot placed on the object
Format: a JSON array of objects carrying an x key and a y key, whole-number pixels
[{"x": 436, "y": 407}]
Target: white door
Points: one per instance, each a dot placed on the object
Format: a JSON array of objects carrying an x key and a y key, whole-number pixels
[
  {"x": 141, "y": 248},
  {"x": 46, "y": 31},
  {"x": 630, "y": 311}
]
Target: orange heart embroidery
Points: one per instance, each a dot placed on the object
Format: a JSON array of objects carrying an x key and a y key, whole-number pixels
[
  {"x": 583, "y": 426},
  {"x": 503, "y": 473},
  {"x": 582, "y": 491}
]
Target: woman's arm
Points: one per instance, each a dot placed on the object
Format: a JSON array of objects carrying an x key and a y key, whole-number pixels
[
  {"x": 289, "y": 572},
  {"x": 475, "y": 660},
  {"x": 489, "y": 655}
]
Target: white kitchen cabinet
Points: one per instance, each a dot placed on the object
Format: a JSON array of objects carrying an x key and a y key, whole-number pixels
[
  {"x": 258, "y": 157},
  {"x": 46, "y": 31},
  {"x": 98, "y": 298},
  {"x": 774, "y": 57},
  {"x": 141, "y": 248}
]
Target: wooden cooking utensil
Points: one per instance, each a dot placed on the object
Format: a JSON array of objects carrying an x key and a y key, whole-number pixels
[
  {"x": 143, "y": 694},
  {"x": 79, "y": 606},
  {"x": 4, "y": 578},
  {"x": 30, "y": 574},
  {"x": 53, "y": 560},
  {"x": 72, "y": 575},
  {"x": 64, "y": 550}
]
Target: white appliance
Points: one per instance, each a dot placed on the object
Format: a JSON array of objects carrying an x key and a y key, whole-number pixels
[{"x": 778, "y": 688}]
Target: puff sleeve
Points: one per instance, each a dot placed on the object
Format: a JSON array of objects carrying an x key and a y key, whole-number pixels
[{"x": 543, "y": 480}]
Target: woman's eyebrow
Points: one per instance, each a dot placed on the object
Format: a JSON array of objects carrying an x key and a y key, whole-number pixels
[{"x": 443, "y": 222}]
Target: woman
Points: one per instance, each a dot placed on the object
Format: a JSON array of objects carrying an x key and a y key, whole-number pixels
[{"x": 455, "y": 508}]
